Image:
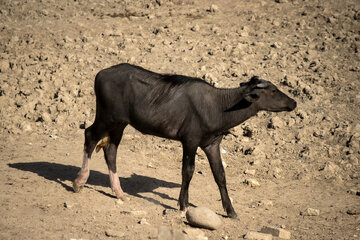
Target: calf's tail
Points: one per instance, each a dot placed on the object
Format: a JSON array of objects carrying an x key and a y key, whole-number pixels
[{"x": 102, "y": 144}]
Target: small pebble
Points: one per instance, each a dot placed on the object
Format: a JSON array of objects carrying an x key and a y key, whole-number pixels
[
  {"x": 224, "y": 164},
  {"x": 53, "y": 136},
  {"x": 266, "y": 203},
  {"x": 213, "y": 8},
  {"x": 143, "y": 222},
  {"x": 250, "y": 171},
  {"x": 353, "y": 211},
  {"x": 252, "y": 182},
  {"x": 310, "y": 212},
  {"x": 135, "y": 212},
  {"x": 354, "y": 192},
  {"x": 113, "y": 233},
  {"x": 258, "y": 236},
  {"x": 195, "y": 28},
  {"x": 68, "y": 205},
  {"x": 276, "y": 232}
]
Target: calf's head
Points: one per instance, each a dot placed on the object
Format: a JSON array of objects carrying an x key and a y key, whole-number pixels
[{"x": 267, "y": 96}]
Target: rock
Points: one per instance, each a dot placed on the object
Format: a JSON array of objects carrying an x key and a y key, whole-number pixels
[
  {"x": 258, "y": 236},
  {"x": 252, "y": 182},
  {"x": 250, "y": 172},
  {"x": 166, "y": 233},
  {"x": 353, "y": 211},
  {"x": 276, "y": 172},
  {"x": 354, "y": 192},
  {"x": 276, "y": 232},
  {"x": 26, "y": 127},
  {"x": 68, "y": 205},
  {"x": 243, "y": 32},
  {"x": 266, "y": 203},
  {"x": 54, "y": 136},
  {"x": 211, "y": 79},
  {"x": 195, "y": 234},
  {"x": 276, "y": 45},
  {"x": 240, "y": 49},
  {"x": 330, "y": 168},
  {"x": 224, "y": 164},
  {"x": 275, "y": 122},
  {"x": 290, "y": 81},
  {"x": 46, "y": 117},
  {"x": 310, "y": 212},
  {"x": 276, "y": 23},
  {"x": 195, "y": 28},
  {"x": 113, "y": 233},
  {"x": 215, "y": 30},
  {"x": 203, "y": 217},
  {"x": 143, "y": 221},
  {"x": 213, "y": 8}
]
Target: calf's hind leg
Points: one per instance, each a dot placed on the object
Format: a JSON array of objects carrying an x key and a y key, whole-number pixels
[
  {"x": 110, "y": 151},
  {"x": 92, "y": 136},
  {"x": 188, "y": 167}
]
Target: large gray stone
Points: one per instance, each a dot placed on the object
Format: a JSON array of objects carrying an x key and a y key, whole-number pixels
[{"x": 203, "y": 217}]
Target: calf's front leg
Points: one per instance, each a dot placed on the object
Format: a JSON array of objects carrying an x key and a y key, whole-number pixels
[{"x": 212, "y": 152}]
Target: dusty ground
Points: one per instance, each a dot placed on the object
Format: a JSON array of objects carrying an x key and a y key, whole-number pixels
[{"x": 309, "y": 158}]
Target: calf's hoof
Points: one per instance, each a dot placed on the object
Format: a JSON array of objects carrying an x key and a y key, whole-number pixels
[
  {"x": 184, "y": 211},
  {"x": 233, "y": 215},
  {"x": 122, "y": 196},
  {"x": 77, "y": 187}
]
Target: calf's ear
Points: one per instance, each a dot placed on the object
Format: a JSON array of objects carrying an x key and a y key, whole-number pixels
[{"x": 251, "y": 97}]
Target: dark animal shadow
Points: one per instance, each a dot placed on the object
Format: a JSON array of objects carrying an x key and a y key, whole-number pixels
[{"x": 133, "y": 185}]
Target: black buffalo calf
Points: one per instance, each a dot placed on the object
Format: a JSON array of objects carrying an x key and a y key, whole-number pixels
[{"x": 176, "y": 107}]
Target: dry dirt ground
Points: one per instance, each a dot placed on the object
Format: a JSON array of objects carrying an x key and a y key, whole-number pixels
[{"x": 50, "y": 52}]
